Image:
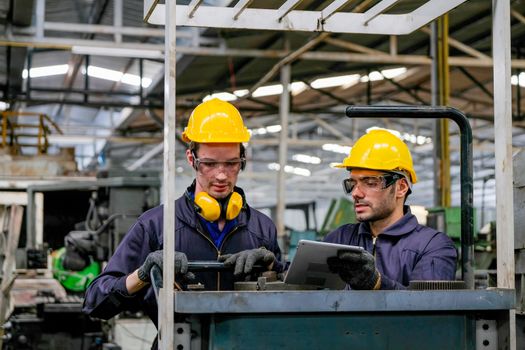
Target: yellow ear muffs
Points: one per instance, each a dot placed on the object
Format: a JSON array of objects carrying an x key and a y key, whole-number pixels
[
  {"x": 234, "y": 206},
  {"x": 210, "y": 209},
  {"x": 207, "y": 206}
]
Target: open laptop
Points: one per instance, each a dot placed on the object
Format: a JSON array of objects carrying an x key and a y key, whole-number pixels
[{"x": 309, "y": 265}]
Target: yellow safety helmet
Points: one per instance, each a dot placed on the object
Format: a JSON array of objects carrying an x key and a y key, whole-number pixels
[
  {"x": 380, "y": 150},
  {"x": 215, "y": 121}
]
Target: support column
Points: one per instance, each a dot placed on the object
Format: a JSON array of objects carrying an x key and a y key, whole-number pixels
[
  {"x": 440, "y": 97},
  {"x": 284, "y": 111},
  {"x": 166, "y": 297},
  {"x": 503, "y": 155}
]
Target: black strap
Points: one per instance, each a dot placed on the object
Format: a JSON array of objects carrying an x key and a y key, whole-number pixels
[{"x": 155, "y": 345}]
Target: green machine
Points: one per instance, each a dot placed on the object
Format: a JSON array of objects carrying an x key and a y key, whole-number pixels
[
  {"x": 448, "y": 220},
  {"x": 74, "y": 281},
  {"x": 340, "y": 212}
]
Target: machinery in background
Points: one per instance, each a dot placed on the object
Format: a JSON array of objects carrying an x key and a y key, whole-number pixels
[
  {"x": 340, "y": 212},
  {"x": 519, "y": 241},
  {"x": 78, "y": 263},
  {"x": 83, "y": 222},
  {"x": 448, "y": 220}
]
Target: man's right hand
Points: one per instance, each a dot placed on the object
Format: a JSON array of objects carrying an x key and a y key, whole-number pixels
[
  {"x": 155, "y": 258},
  {"x": 358, "y": 269}
]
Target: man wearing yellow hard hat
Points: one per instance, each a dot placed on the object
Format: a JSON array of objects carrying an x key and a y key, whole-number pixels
[
  {"x": 397, "y": 249},
  {"x": 213, "y": 222}
]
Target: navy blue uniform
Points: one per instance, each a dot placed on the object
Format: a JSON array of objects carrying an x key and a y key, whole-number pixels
[
  {"x": 107, "y": 295},
  {"x": 405, "y": 251}
]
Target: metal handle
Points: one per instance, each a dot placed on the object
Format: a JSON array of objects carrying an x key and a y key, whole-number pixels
[
  {"x": 466, "y": 167},
  {"x": 195, "y": 266}
]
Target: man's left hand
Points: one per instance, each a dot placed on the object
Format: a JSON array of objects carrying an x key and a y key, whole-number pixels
[{"x": 245, "y": 260}]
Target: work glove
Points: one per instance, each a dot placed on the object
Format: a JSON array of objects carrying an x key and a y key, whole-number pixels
[
  {"x": 358, "y": 269},
  {"x": 245, "y": 260},
  {"x": 155, "y": 258}
]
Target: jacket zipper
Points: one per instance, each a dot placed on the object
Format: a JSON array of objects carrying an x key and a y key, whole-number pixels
[
  {"x": 218, "y": 250},
  {"x": 374, "y": 238}
]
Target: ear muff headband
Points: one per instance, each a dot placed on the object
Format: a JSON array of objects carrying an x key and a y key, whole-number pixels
[{"x": 210, "y": 209}]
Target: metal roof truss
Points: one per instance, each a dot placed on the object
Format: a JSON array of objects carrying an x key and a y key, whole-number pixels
[{"x": 373, "y": 21}]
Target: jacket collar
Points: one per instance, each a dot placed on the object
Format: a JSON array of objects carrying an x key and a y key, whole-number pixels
[{"x": 405, "y": 225}]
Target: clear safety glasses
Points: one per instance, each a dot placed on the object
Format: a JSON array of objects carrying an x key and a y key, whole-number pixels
[
  {"x": 371, "y": 183},
  {"x": 211, "y": 165}
]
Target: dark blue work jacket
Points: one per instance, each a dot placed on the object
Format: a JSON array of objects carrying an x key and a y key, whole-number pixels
[
  {"x": 405, "y": 251},
  {"x": 107, "y": 294}
]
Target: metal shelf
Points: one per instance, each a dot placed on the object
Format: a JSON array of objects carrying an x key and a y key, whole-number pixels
[{"x": 373, "y": 21}]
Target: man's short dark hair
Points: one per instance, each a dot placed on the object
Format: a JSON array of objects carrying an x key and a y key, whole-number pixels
[{"x": 194, "y": 147}]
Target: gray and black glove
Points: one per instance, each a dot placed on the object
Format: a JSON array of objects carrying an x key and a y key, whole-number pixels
[
  {"x": 245, "y": 260},
  {"x": 155, "y": 258},
  {"x": 358, "y": 269}
]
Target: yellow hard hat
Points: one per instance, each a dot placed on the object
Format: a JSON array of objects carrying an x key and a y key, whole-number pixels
[
  {"x": 215, "y": 121},
  {"x": 380, "y": 150}
]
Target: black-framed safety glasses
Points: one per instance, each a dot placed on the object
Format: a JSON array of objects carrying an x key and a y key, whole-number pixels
[{"x": 371, "y": 183}]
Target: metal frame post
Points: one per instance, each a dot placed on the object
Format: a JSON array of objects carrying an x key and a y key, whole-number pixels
[
  {"x": 165, "y": 307},
  {"x": 284, "y": 111},
  {"x": 503, "y": 153}
]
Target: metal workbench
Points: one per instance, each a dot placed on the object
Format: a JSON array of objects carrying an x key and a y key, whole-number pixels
[{"x": 459, "y": 319}]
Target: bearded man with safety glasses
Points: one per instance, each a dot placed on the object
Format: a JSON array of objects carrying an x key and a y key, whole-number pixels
[
  {"x": 213, "y": 222},
  {"x": 397, "y": 249}
]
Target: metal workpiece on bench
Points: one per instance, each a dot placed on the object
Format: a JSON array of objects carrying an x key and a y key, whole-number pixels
[{"x": 342, "y": 301}]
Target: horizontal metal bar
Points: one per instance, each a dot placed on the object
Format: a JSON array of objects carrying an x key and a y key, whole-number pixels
[
  {"x": 27, "y": 135},
  {"x": 32, "y": 145},
  {"x": 215, "y": 51},
  {"x": 16, "y": 125},
  {"x": 341, "y": 22},
  {"x": 342, "y": 301},
  {"x": 84, "y": 92},
  {"x": 37, "y": 101},
  {"x": 105, "y": 29}
]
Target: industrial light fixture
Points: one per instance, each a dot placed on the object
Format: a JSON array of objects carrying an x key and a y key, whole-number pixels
[
  {"x": 515, "y": 79},
  {"x": 290, "y": 169},
  {"x": 46, "y": 71},
  {"x": 344, "y": 81},
  {"x": 241, "y": 93},
  {"x": 70, "y": 140},
  {"x": 305, "y": 158},
  {"x": 340, "y": 80},
  {"x": 225, "y": 96},
  {"x": 385, "y": 73},
  {"x": 3, "y": 105},
  {"x": 269, "y": 129},
  {"x": 268, "y": 90},
  {"x": 113, "y": 75},
  {"x": 333, "y": 147},
  {"x": 116, "y": 52}
]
